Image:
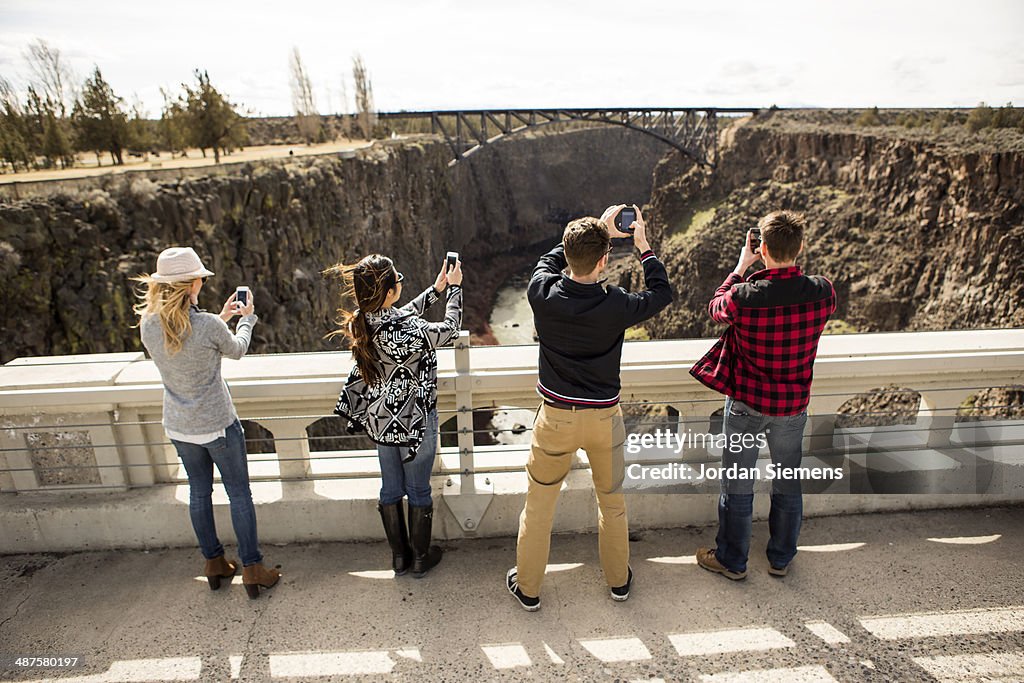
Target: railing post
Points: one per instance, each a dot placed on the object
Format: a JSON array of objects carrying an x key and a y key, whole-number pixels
[
  {"x": 291, "y": 442},
  {"x": 470, "y": 501},
  {"x": 23, "y": 475},
  {"x": 107, "y": 452},
  {"x": 135, "y": 453},
  {"x": 464, "y": 411}
]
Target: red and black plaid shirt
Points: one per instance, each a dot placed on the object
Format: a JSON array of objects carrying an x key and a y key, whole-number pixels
[{"x": 766, "y": 356}]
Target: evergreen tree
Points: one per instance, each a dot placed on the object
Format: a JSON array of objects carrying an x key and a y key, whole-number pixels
[
  {"x": 213, "y": 122},
  {"x": 173, "y": 127},
  {"x": 14, "y": 147},
  {"x": 100, "y": 120},
  {"x": 56, "y": 145}
]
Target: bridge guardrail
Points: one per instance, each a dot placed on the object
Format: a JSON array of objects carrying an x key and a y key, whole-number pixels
[{"x": 92, "y": 423}]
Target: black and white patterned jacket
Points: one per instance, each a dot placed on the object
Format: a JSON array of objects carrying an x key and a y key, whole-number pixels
[{"x": 394, "y": 411}]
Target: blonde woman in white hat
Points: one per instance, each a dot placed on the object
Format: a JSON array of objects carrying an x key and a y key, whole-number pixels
[{"x": 187, "y": 345}]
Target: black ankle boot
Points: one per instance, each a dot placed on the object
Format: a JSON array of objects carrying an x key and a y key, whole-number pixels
[
  {"x": 424, "y": 555},
  {"x": 393, "y": 518}
]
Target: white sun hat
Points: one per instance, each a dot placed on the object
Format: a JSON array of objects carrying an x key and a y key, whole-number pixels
[{"x": 179, "y": 264}]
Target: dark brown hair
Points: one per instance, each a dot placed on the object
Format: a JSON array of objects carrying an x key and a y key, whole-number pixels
[
  {"x": 586, "y": 241},
  {"x": 367, "y": 283},
  {"x": 783, "y": 232}
]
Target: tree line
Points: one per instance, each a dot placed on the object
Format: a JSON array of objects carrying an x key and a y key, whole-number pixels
[{"x": 57, "y": 118}]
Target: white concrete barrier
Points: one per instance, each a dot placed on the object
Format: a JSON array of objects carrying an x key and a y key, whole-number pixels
[{"x": 84, "y": 462}]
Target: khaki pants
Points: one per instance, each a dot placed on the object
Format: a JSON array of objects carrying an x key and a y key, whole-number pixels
[{"x": 557, "y": 434}]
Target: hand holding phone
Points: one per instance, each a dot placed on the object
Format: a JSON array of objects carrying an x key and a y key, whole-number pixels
[{"x": 624, "y": 219}]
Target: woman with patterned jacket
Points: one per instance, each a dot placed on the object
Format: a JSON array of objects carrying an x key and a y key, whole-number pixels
[{"x": 391, "y": 393}]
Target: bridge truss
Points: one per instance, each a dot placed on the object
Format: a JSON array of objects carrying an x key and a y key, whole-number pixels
[{"x": 692, "y": 131}]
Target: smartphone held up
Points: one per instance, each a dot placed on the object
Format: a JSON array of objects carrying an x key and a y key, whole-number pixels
[
  {"x": 242, "y": 295},
  {"x": 624, "y": 219}
]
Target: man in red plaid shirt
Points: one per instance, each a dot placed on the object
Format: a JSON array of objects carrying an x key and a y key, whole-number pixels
[{"x": 764, "y": 363}]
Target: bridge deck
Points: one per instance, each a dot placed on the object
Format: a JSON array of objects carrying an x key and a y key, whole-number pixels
[{"x": 870, "y": 597}]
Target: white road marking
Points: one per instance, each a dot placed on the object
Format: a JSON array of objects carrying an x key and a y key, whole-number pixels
[
  {"x": 679, "y": 559},
  {"x": 829, "y": 547},
  {"x": 827, "y": 632},
  {"x": 936, "y": 624},
  {"x": 617, "y": 649},
  {"x": 507, "y": 656},
  {"x": 236, "y": 665},
  {"x": 800, "y": 674},
  {"x": 132, "y": 670},
  {"x": 997, "y": 666},
  {"x": 967, "y": 540},
  {"x": 734, "y": 640},
  {"x": 555, "y": 659},
  {"x": 300, "y": 664}
]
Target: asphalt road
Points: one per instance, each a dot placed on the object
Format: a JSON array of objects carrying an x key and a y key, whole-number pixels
[{"x": 889, "y": 597}]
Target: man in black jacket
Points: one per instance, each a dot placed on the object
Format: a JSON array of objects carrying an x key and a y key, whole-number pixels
[{"x": 581, "y": 323}]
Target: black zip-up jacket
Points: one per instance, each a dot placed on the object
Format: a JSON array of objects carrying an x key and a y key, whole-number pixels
[{"x": 581, "y": 329}]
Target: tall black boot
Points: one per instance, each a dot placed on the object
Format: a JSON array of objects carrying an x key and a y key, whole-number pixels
[
  {"x": 424, "y": 555},
  {"x": 393, "y": 518}
]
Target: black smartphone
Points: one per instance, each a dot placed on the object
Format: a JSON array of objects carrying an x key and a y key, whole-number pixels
[
  {"x": 242, "y": 295},
  {"x": 625, "y": 219},
  {"x": 451, "y": 258},
  {"x": 755, "y": 238}
]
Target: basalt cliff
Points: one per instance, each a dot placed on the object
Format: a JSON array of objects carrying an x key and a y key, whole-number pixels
[
  {"x": 918, "y": 231},
  {"x": 68, "y": 250}
]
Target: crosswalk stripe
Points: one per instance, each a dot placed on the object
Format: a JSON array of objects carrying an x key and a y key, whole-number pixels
[
  {"x": 975, "y": 667},
  {"x": 937, "y": 624},
  {"x": 827, "y": 632},
  {"x": 734, "y": 640},
  {"x": 800, "y": 674},
  {"x": 298, "y": 664},
  {"x": 617, "y": 649},
  {"x": 507, "y": 656}
]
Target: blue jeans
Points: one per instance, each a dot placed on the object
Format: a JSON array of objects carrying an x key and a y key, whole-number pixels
[
  {"x": 228, "y": 453},
  {"x": 411, "y": 479},
  {"x": 736, "y": 502}
]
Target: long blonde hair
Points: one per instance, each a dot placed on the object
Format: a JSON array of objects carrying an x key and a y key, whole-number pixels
[{"x": 170, "y": 301}]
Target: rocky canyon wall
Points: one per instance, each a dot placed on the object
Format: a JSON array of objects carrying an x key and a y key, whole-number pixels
[
  {"x": 914, "y": 234},
  {"x": 67, "y": 254}
]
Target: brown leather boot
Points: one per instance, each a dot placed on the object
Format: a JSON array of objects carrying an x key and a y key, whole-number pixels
[
  {"x": 219, "y": 568},
  {"x": 256, "y": 575}
]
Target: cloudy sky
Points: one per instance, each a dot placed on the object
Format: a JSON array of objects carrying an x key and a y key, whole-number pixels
[{"x": 442, "y": 54}]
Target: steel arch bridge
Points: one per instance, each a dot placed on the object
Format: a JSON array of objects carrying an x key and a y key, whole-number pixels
[{"x": 692, "y": 131}]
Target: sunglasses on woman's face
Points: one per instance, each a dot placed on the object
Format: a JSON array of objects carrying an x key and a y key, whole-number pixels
[{"x": 205, "y": 279}]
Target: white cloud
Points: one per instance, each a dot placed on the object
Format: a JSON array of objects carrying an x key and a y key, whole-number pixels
[{"x": 447, "y": 54}]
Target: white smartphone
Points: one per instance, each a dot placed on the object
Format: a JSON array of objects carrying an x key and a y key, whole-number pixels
[
  {"x": 451, "y": 258},
  {"x": 242, "y": 295}
]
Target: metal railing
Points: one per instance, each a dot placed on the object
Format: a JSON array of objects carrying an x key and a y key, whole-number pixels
[{"x": 93, "y": 422}]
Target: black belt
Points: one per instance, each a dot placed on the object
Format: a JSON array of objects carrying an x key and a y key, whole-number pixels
[{"x": 572, "y": 406}]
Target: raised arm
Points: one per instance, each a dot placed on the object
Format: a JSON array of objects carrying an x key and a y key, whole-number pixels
[
  {"x": 233, "y": 345},
  {"x": 658, "y": 293},
  {"x": 442, "y": 333},
  {"x": 421, "y": 303},
  {"x": 722, "y": 308}
]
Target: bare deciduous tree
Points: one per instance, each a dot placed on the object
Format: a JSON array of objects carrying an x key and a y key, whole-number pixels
[
  {"x": 306, "y": 116},
  {"x": 364, "y": 97},
  {"x": 51, "y": 75},
  {"x": 343, "y": 111}
]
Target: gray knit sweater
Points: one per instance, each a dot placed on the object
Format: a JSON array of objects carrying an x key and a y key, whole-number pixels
[{"x": 196, "y": 398}]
